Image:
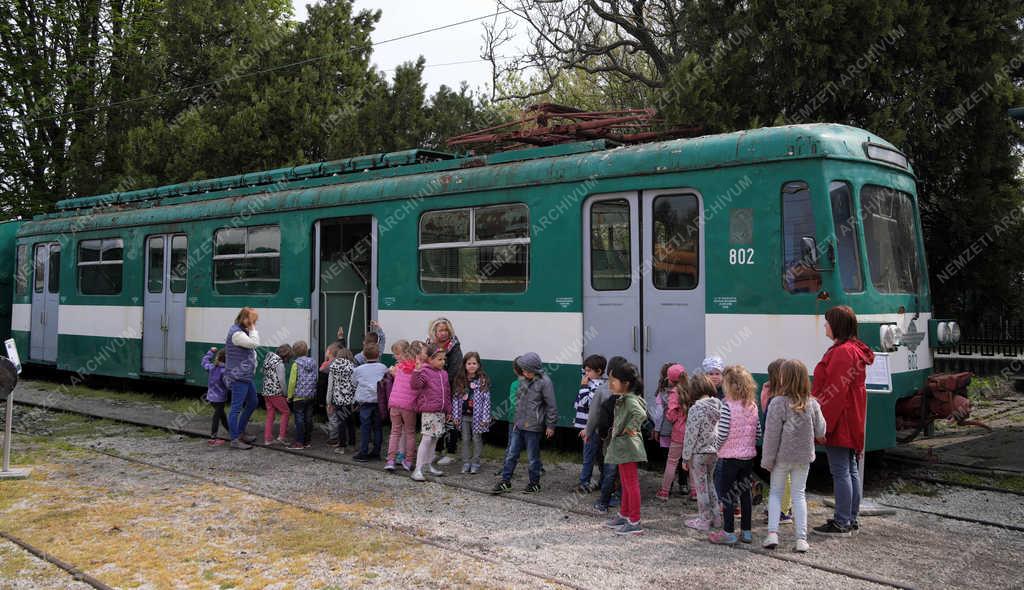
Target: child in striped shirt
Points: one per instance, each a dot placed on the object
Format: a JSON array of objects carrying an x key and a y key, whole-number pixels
[{"x": 593, "y": 378}]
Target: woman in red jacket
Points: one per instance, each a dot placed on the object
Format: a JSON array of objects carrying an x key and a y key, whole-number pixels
[{"x": 839, "y": 388}]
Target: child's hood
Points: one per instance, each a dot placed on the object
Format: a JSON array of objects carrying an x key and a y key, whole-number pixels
[{"x": 306, "y": 363}]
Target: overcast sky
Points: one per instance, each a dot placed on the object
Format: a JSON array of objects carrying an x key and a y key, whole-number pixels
[{"x": 458, "y": 44}]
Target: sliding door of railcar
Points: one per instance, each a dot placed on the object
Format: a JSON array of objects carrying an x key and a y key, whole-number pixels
[
  {"x": 45, "y": 303},
  {"x": 163, "y": 335}
]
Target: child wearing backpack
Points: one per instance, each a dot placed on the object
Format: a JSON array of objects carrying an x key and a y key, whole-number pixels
[
  {"x": 794, "y": 420},
  {"x": 274, "y": 393},
  {"x": 471, "y": 409},
  {"x": 302, "y": 394},
  {"x": 593, "y": 378},
  {"x": 341, "y": 396},
  {"x": 738, "y": 430},
  {"x": 216, "y": 392},
  {"x": 700, "y": 451}
]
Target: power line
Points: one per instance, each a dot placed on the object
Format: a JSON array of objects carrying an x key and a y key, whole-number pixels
[{"x": 267, "y": 70}]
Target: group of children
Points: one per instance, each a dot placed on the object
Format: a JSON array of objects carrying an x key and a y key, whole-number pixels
[{"x": 709, "y": 423}]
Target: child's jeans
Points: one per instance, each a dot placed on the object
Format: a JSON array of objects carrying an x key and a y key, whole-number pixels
[
  {"x": 630, "y": 508},
  {"x": 403, "y": 426},
  {"x": 675, "y": 451},
  {"x": 276, "y": 404},
  {"x": 369, "y": 426},
  {"x": 733, "y": 479},
  {"x": 591, "y": 450},
  {"x": 337, "y": 425},
  {"x": 702, "y": 474},
  {"x": 471, "y": 438},
  {"x": 303, "y": 411},
  {"x": 798, "y": 473},
  {"x": 531, "y": 442}
]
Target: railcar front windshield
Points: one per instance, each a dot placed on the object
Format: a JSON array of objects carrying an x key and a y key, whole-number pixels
[{"x": 890, "y": 231}]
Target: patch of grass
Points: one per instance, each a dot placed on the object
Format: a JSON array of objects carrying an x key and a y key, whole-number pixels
[
  {"x": 1013, "y": 483},
  {"x": 182, "y": 405}
]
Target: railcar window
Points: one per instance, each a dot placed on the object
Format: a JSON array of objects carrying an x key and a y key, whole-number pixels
[
  {"x": 845, "y": 226},
  {"x": 798, "y": 272},
  {"x": 610, "y": 245},
  {"x": 40, "y": 271},
  {"x": 155, "y": 265},
  {"x": 179, "y": 264},
  {"x": 675, "y": 255},
  {"x": 246, "y": 260},
  {"x": 53, "y": 282},
  {"x": 100, "y": 265},
  {"x": 475, "y": 250},
  {"x": 890, "y": 229},
  {"x": 21, "y": 272}
]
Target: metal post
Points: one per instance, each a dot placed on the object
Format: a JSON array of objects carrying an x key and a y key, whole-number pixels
[{"x": 8, "y": 379}]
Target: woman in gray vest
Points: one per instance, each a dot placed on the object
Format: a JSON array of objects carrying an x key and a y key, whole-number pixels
[{"x": 239, "y": 370}]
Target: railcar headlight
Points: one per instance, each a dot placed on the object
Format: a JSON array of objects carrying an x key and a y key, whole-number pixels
[
  {"x": 887, "y": 337},
  {"x": 897, "y": 335},
  {"x": 954, "y": 332},
  {"x": 943, "y": 333}
]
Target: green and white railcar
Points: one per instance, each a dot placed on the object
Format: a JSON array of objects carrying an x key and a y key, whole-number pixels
[{"x": 731, "y": 244}]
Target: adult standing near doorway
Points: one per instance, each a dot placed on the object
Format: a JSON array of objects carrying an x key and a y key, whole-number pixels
[
  {"x": 239, "y": 370},
  {"x": 442, "y": 333},
  {"x": 839, "y": 388}
]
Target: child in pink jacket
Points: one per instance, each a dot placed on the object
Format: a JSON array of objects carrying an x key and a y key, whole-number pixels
[
  {"x": 434, "y": 402},
  {"x": 675, "y": 412}
]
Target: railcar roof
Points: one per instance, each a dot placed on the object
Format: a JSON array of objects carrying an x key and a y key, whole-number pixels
[{"x": 559, "y": 163}]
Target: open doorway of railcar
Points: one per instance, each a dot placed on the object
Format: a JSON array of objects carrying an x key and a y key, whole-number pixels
[{"x": 344, "y": 293}]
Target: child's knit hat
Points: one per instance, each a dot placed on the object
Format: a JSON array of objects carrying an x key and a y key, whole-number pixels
[
  {"x": 530, "y": 362},
  {"x": 712, "y": 363},
  {"x": 674, "y": 372}
]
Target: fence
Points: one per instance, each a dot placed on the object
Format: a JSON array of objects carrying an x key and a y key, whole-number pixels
[{"x": 985, "y": 348}]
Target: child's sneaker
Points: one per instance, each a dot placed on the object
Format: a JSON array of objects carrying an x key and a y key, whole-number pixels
[
  {"x": 446, "y": 460},
  {"x": 474, "y": 469},
  {"x": 307, "y": 446},
  {"x": 418, "y": 476},
  {"x": 722, "y": 538},
  {"x": 281, "y": 441},
  {"x": 532, "y": 488},
  {"x": 297, "y": 446},
  {"x": 389, "y": 466},
  {"x": 434, "y": 471},
  {"x": 854, "y": 527},
  {"x": 339, "y": 450},
  {"x": 771, "y": 541},
  {"x": 215, "y": 442},
  {"x": 786, "y": 518},
  {"x": 583, "y": 488},
  {"x": 502, "y": 487},
  {"x": 240, "y": 444},
  {"x": 661, "y": 495},
  {"x": 698, "y": 524},
  {"x": 465, "y": 468},
  {"x": 801, "y": 546},
  {"x": 747, "y": 537},
  {"x": 600, "y": 508},
  {"x": 630, "y": 529},
  {"x": 616, "y": 521},
  {"x": 407, "y": 465}
]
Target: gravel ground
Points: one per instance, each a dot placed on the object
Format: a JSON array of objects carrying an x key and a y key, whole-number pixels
[
  {"x": 549, "y": 540},
  {"x": 20, "y": 570},
  {"x": 961, "y": 502}
]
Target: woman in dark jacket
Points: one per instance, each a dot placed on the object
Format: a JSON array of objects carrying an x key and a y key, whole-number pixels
[
  {"x": 442, "y": 333},
  {"x": 839, "y": 388}
]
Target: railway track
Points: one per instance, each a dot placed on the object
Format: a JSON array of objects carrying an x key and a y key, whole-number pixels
[
  {"x": 775, "y": 555},
  {"x": 75, "y": 573},
  {"x": 932, "y": 473}
]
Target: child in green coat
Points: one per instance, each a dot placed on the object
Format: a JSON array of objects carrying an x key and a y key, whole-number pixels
[{"x": 626, "y": 445}]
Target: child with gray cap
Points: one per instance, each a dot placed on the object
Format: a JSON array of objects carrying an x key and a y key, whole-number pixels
[{"x": 536, "y": 413}]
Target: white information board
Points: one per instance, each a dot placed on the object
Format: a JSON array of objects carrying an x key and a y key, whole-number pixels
[
  {"x": 878, "y": 377},
  {"x": 12, "y": 353}
]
